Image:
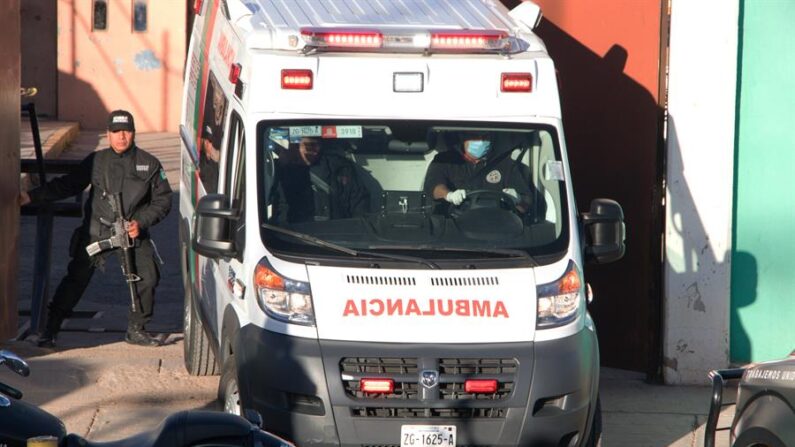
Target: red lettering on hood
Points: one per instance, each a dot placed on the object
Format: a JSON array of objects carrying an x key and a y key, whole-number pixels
[{"x": 397, "y": 307}]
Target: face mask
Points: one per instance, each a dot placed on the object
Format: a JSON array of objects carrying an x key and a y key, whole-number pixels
[{"x": 477, "y": 148}]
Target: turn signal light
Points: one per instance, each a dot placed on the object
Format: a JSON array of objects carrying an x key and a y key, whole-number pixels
[
  {"x": 480, "y": 386},
  {"x": 377, "y": 386},
  {"x": 297, "y": 79},
  {"x": 516, "y": 82}
]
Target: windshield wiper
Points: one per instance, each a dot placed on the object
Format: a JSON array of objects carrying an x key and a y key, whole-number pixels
[
  {"x": 511, "y": 252},
  {"x": 349, "y": 251}
]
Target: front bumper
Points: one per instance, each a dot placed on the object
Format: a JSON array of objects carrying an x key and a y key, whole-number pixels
[{"x": 307, "y": 390}]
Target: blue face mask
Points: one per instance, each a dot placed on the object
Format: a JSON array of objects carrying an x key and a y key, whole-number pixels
[{"x": 477, "y": 148}]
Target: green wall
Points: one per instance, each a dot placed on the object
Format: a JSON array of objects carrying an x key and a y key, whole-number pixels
[{"x": 762, "y": 321}]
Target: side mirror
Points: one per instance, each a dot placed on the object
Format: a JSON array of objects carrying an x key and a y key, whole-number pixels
[
  {"x": 211, "y": 227},
  {"x": 604, "y": 232}
]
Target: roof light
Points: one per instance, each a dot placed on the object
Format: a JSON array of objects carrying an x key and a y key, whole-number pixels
[
  {"x": 234, "y": 72},
  {"x": 297, "y": 79},
  {"x": 377, "y": 386},
  {"x": 469, "y": 40},
  {"x": 516, "y": 82},
  {"x": 197, "y": 6},
  {"x": 480, "y": 386},
  {"x": 342, "y": 38}
]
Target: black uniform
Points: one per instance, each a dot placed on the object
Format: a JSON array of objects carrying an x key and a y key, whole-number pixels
[
  {"x": 328, "y": 189},
  {"x": 451, "y": 169},
  {"x": 146, "y": 197}
]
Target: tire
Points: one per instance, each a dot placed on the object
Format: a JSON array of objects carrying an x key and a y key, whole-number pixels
[
  {"x": 228, "y": 389},
  {"x": 595, "y": 436},
  {"x": 199, "y": 357}
]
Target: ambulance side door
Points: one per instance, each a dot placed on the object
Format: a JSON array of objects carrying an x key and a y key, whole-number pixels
[{"x": 229, "y": 280}]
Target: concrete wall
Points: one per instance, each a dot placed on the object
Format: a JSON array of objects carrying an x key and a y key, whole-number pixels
[
  {"x": 700, "y": 152},
  {"x": 763, "y": 302},
  {"x": 100, "y": 71},
  {"x": 9, "y": 164}
]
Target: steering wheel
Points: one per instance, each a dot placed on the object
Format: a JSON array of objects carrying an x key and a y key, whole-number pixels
[{"x": 485, "y": 198}]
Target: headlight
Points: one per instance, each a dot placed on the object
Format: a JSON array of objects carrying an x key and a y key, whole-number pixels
[
  {"x": 282, "y": 298},
  {"x": 559, "y": 301}
]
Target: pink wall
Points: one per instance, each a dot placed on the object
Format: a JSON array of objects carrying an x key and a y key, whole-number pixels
[
  {"x": 99, "y": 71},
  {"x": 9, "y": 165}
]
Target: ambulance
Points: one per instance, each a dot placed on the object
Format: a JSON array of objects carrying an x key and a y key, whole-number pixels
[{"x": 380, "y": 243}]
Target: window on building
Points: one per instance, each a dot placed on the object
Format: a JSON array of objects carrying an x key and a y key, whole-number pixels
[
  {"x": 139, "y": 15},
  {"x": 100, "y": 19}
]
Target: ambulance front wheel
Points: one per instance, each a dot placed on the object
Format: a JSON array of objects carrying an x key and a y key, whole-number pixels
[
  {"x": 228, "y": 390},
  {"x": 199, "y": 357}
]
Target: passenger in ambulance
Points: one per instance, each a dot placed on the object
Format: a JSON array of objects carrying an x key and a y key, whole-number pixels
[
  {"x": 472, "y": 165},
  {"x": 313, "y": 183},
  {"x": 212, "y": 135}
]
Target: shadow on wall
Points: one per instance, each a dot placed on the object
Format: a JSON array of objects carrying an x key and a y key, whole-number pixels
[
  {"x": 692, "y": 266},
  {"x": 85, "y": 108},
  {"x": 613, "y": 134},
  {"x": 743, "y": 294}
]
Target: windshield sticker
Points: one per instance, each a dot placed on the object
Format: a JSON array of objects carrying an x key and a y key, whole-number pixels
[
  {"x": 342, "y": 131},
  {"x": 297, "y": 133},
  {"x": 553, "y": 170}
]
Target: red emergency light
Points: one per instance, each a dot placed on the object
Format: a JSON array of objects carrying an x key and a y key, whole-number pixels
[
  {"x": 234, "y": 72},
  {"x": 467, "y": 40},
  {"x": 297, "y": 79},
  {"x": 480, "y": 386},
  {"x": 197, "y": 6},
  {"x": 377, "y": 386},
  {"x": 516, "y": 82},
  {"x": 342, "y": 38}
]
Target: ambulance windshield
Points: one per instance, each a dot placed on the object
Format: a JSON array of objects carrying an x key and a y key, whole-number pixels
[{"x": 415, "y": 188}]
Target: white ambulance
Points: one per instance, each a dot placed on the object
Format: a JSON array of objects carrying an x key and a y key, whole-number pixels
[{"x": 380, "y": 240}]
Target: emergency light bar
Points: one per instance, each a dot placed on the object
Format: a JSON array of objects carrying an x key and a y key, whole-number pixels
[
  {"x": 438, "y": 41},
  {"x": 483, "y": 40},
  {"x": 342, "y": 38}
]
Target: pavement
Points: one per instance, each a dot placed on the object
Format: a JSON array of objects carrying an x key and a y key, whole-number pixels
[{"x": 105, "y": 389}]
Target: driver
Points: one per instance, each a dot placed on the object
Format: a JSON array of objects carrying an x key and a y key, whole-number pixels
[{"x": 471, "y": 167}]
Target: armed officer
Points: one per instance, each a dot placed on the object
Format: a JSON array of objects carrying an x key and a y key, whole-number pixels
[{"x": 146, "y": 197}]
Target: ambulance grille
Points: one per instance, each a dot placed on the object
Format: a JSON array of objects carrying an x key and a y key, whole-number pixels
[
  {"x": 405, "y": 374},
  {"x": 379, "y": 365},
  {"x": 465, "y": 281},
  {"x": 478, "y": 366},
  {"x": 381, "y": 280}
]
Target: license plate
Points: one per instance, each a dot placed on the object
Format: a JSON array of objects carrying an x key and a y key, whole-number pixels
[{"x": 427, "y": 435}]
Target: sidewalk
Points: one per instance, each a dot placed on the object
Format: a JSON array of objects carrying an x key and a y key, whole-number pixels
[{"x": 105, "y": 389}]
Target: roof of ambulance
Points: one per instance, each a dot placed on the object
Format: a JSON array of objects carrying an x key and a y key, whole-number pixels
[{"x": 280, "y": 18}]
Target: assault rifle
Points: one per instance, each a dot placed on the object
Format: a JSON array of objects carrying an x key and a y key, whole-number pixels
[{"x": 119, "y": 238}]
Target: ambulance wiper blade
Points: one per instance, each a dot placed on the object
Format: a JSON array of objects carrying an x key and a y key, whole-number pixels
[
  {"x": 349, "y": 251},
  {"x": 511, "y": 252}
]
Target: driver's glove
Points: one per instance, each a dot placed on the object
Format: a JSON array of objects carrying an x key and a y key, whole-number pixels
[
  {"x": 512, "y": 192},
  {"x": 456, "y": 197}
]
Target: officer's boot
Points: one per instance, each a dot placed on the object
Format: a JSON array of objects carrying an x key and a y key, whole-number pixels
[
  {"x": 136, "y": 335},
  {"x": 47, "y": 337}
]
